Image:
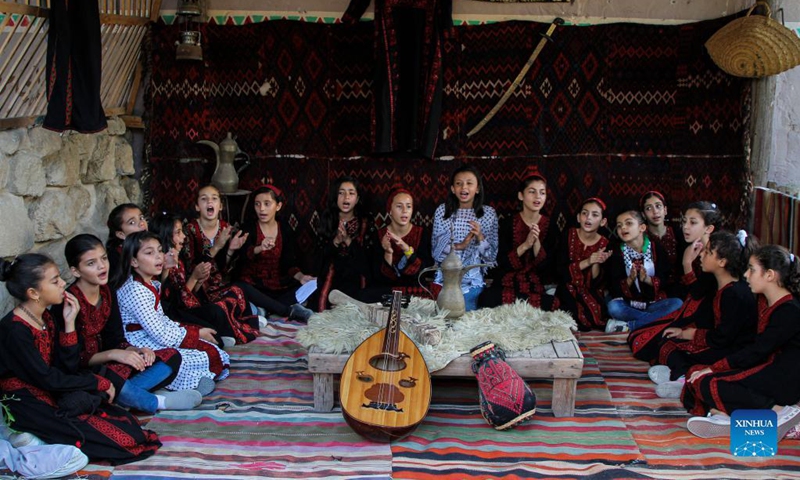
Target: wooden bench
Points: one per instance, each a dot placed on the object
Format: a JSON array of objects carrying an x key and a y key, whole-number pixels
[{"x": 561, "y": 361}]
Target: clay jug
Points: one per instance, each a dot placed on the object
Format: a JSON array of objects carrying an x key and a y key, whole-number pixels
[
  {"x": 226, "y": 177},
  {"x": 451, "y": 297}
]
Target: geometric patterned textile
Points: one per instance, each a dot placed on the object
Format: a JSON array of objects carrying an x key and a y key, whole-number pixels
[{"x": 609, "y": 110}]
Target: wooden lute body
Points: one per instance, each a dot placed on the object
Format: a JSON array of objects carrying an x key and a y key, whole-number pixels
[{"x": 385, "y": 389}]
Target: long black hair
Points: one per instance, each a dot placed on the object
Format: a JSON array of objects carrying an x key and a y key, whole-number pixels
[
  {"x": 130, "y": 249},
  {"x": 163, "y": 225},
  {"x": 736, "y": 249},
  {"x": 114, "y": 223},
  {"x": 712, "y": 216},
  {"x": 78, "y": 245},
  {"x": 24, "y": 272},
  {"x": 329, "y": 221},
  {"x": 452, "y": 203}
]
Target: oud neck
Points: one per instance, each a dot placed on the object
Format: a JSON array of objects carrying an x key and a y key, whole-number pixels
[{"x": 392, "y": 335}]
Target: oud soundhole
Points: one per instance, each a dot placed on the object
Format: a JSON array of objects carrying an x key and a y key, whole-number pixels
[{"x": 387, "y": 363}]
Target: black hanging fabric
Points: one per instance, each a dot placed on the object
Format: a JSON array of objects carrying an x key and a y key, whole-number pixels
[{"x": 73, "y": 68}]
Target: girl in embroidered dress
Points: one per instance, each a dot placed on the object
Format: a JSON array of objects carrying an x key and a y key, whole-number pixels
[
  {"x": 580, "y": 257},
  {"x": 735, "y": 316},
  {"x": 638, "y": 273},
  {"x": 39, "y": 371},
  {"x": 527, "y": 251},
  {"x": 405, "y": 250},
  {"x": 146, "y": 325},
  {"x": 764, "y": 373},
  {"x": 696, "y": 288},
  {"x": 344, "y": 244},
  {"x": 122, "y": 221},
  {"x": 184, "y": 300},
  {"x": 210, "y": 239},
  {"x": 133, "y": 371},
  {"x": 654, "y": 207},
  {"x": 268, "y": 260},
  {"x": 465, "y": 224}
]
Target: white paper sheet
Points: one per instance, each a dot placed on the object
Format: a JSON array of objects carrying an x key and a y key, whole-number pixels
[{"x": 305, "y": 291}]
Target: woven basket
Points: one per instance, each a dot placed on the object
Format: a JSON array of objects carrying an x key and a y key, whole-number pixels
[{"x": 754, "y": 46}]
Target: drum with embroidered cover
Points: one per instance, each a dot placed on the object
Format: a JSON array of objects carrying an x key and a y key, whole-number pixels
[{"x": 506, "y": 399}]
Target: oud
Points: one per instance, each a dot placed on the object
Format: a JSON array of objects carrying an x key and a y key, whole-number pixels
[{"x": 385, "y": 389}]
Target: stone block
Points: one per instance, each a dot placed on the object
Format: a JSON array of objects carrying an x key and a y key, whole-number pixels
[
  {"x": 26, "y": 175},
  {"x": 7, "y": 302},
  {"x": 100, "y": 166},
  {"x": 63, "y": 169},
  {"x": 115, "y": 126},
  {"x": 132, "y": 188},
  {"x": 55, "y": 250},
  {"x": 108, "y": 196},
  {"x": 43, "y": 142},
  {"x": 56, "y": 214},
  {"x": 4, "y": 168},
  {"x": 16, "y": 236},
  {"x": 123, "y": 157},
  {"x": 10, "y": 140}
]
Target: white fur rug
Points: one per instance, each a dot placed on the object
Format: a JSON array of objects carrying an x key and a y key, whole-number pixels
[{"x": 513, "y": 327}]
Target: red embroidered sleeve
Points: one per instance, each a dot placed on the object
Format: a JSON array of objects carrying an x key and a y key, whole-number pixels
[
  {"x": 689, "y": 278},
  {"x": 700, "y": 337},
  {"x": 721, "y": 366},
  {"x": 103, "y": 383},
  {"x": 68, "y": 339}
]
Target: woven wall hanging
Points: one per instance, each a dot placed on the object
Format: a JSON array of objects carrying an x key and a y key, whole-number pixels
[{"x": 754, "y": 46}]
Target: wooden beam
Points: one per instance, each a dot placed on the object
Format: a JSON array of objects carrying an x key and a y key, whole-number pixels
[
  {"x": 114, "y": 111},
  {"x": 9, "y": 7},
  {"x": 132, "y": 121},
  {"x": 155, "y": 10},
  {"x": 109, "y": 19}
]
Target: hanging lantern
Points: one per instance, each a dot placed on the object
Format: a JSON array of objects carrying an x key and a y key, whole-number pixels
[{"x": 189, "y": 46}]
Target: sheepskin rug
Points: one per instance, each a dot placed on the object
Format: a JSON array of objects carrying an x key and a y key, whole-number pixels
[{"x": 512, "y": 327}]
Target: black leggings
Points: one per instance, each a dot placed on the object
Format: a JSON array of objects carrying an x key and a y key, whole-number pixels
[{"x": 263, "y": 300}]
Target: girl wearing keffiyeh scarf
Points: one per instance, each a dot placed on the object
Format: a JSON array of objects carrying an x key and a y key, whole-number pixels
[{"x": 638, "y": 273}]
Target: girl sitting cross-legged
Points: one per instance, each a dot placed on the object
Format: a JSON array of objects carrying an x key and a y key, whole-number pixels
[
  {"x": 764, "y": 373},
  {"x": 45, "y": 392},
  {"x": 638, "y": 273},
  {"x": 134, "y": 371},
  {"x": 146, "y": 325},
  {"x": 734, "y": 316}
]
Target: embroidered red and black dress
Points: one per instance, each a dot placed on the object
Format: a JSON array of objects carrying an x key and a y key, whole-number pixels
[
  {"x": 759, "y": 376},
  {"x": 524, "y": 277},
  {"x": 696, "y": 311},
  {"x": 735, "y": 319},
  {"x": 343, "y": 267},
  {"x": 229, "y": 315},
  {"x": 36, "y": 368},
  {"x": 99, "y": 329},
  {"x": 407, "y": 89},
  {"x": 579, "y": 293},
  {"x": 271, "y": 271},
  {"x": 401, "y": 273}
]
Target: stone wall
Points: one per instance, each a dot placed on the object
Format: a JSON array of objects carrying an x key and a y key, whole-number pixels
[{"x": 54, "y": 186}]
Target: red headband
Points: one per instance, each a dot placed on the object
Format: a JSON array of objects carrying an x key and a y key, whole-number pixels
[
  {"x": 277, "y": 191},
  {"x": 653, "y": 192},
  {"x": 395, "y": 192},
  {"x": 533, "y": 172},
  {"x": 597, "y": 201}
]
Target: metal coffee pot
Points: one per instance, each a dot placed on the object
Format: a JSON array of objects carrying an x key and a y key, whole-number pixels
[
  {"x": 451, "y": 297},
  {"x": 226, "y": 177}
]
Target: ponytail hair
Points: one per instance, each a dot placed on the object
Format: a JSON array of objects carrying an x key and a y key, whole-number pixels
[
  {"x": 782, "y": 262},
  {"x": 130, "y": 249},
  {"x": 735, "y": 249},
  {"x": 24, "y": 272},
  {"x": 712, "y": 216}
]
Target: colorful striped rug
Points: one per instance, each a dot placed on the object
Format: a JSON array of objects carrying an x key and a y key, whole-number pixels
[{"x": 659, "y": 425}]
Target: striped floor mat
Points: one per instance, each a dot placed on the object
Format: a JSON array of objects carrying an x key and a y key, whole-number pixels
[{"x": 659, "y": 425}]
